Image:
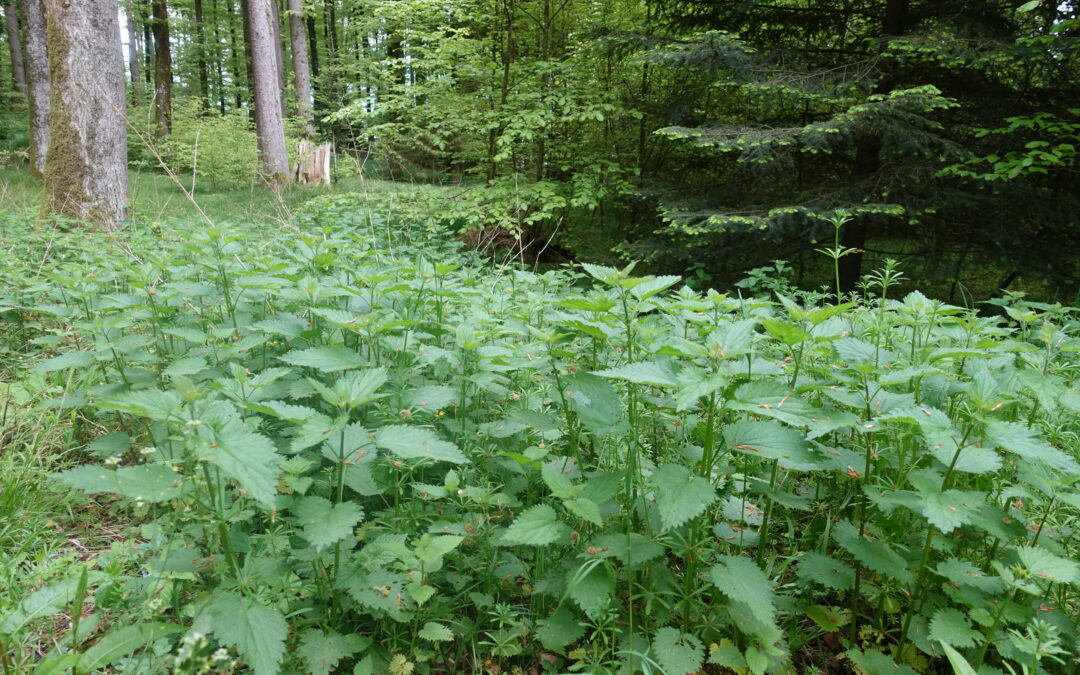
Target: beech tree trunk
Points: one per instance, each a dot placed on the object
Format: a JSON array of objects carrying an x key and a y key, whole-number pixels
[
  {"x": 269, "y": 125},
  {"x": 134, "y": 58},
  {"x": 18, "y": 72},
  {"x": 37, "y": 82},
  {"x": 200, "y": 47},
  {"x": 86, "y": 164},
  {"x": 301, "y": 72},
  {"x": 162, "y": 68}
]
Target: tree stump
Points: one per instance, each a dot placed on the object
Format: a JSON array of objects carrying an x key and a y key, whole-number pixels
[{"x": 313, "y": 163}]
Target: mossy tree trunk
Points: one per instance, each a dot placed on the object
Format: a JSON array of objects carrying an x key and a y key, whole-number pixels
[
  {"x": 86, "y": 164},
  {"x": 37, "y": 81},
  {"x": 269, "y": 124},
  {"x": 18, "y": 73},
  {"x": 162, "y": 68}
]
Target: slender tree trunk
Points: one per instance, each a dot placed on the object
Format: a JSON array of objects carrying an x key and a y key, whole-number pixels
[
  {"x": 148, "y": 44},
  {"x": 86, "y": 166},
  {"x": 269, "y": 124},
  {"x": 162, "y": 68},
  {"x": 37, "y": 82},
  {"x": 245, "y": 15},
  {"x": 301, "y": 74},
  {"x": 134, "y": 59},
  {"x": 313, "y": 45},
  {"x": 18, "y": 71},
  {"x": 200, "y": 50},
  {"x": 279, "y": 48},
  {"x": 234, "y": 53}
]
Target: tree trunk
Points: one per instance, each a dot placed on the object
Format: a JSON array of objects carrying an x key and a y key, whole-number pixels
[
  {"x": 300, "y": 65},
  {"x": 279, "y": 48},
  {"x": 269, "y": 125},
  {"x": 162, "y": 69},
  {"x": 18, "y": 72},
  {"x": 235, "y": 57},
  {"x": 134, "y": 58},
  {"x": 37, "y": 82},
  {"x": 200, "y": 50},
  {"x": 86, "y": 165}
]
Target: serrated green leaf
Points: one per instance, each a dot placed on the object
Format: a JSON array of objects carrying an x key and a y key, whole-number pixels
[
  {"x": 680, "y": 496},
  {"x": 555, "y": 477},
  {"x": 409, "y": 442},
  {"x": 431, "y": 548},
  {"x": 743, "y": 581},
  {"x": 377, "y": 589},
  {"x": 326, "y": 359},
  {"x": 771, "y": 440},
  {"x": 1024, "y": 441},
  {"x": 787, "y": 333},
  {"x": 873, "y": 662},
  {"x": 820, "y": 569},
  {"x": 875, "y": 555},
  {"x": 964, "y": 573},
  {"x": 631, "y": 550},
  {"x": 325, "y": 523},
  {"x": 186, "y": 366},
  {"x": 77, "y": 359},
  {"x": 1045, "y": 565},
  {"x": 959, "y": 664},
  {"x": 537, "y": 526},
  {"x": 829, "y": 619},
  {"x": 650, "y": 286},
  {"x": 431, "y": 398},
  {"x": 677, "y": 653},
  {"x": 436, "y": 632},
  {"x": 950, "y": 626},
  {"x": 591, "y": 587},
  {"x": 595, "y": 401},
  {"x": 641, "y": 372},
  {"x": 560, "y": 629},
  {"x": 323, "y": 650},
  {"x": 586, "y": 509},
  {"x": 258, "y": 632},
  {"x": 245, "y": 456}
]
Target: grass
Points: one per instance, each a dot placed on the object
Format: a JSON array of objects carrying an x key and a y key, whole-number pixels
[{"x": 155, "y": 199}]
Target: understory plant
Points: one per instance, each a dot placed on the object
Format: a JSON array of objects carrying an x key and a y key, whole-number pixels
[{"x": 349, "y": 448}]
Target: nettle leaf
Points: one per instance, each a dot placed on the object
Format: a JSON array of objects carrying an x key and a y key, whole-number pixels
[
  {"x": 946, "y": 510},
  {"x": 537, "y": 526},
  {"x": 258, "y": 632},
  {"x": 409, "y": 442},
  {"x": 642, "y": 372},
  {"x": 788, "y": 333},
  {"x": 323, "y": 650},
  {"x": 555, "y": 475},
  {"x": 146, "y": 482},
  {"x": 436, "y": 632},
  {"x": 952, "y": 627},
  {"x": 680, "y": 496},
  {"x": 965, "y": 573},
  {"x": 1024, "y": 441},
  {"x": 875, "y": 555},
  {"x": 631, "y": 550},
  {"x": 189, "y": 365},
  {"x": 1045, "y": 565},
  {"x": 678, "y": 653},
  {"x": 743, "y": 581},
  {"x": 591, "y": 587},
  {"x": 243, "y": 455},
  {"x": 377, "y": 589},
  {"x": 325, "y": 523},
  {"x": 829, "y": 619},
  {"x": 326, "y": 359},
  {"x": 560, "y": 629},
  {"x": 586, "y": 509},
  {"x": 823, "y": 570},
  {"x": 873, "y": 662},
  {"x": 77, "y": 359},
  {"x": 595, "y": 401},
  {"x": 431, "y": 398},
  {"x": 771, "y": 440},
  {"x": 650, "y": 286}
]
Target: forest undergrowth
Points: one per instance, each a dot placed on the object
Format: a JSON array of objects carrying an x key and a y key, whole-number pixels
[{"x": 344, "y": 445}]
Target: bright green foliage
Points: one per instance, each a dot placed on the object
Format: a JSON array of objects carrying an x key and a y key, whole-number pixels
[
  {"x": 314, "y": 437},
  {"x": 258, "y": 632},
  {"x": 678, "y": 653}
]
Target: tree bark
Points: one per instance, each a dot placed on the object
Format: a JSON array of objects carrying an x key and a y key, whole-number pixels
[
  {"x": 279, "y": 48},
  {"x": 37, "y": 82},
  {"x": 18, "y": 71},
  {"x": 301, "y": 73},
  {"x": 86, "y": 165},
  {"x": 162, "y": 69},
  {"x": 134, "y": 59},
  {"x": 200, "y": 50},
  {"x": 269, "y": 125}
]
